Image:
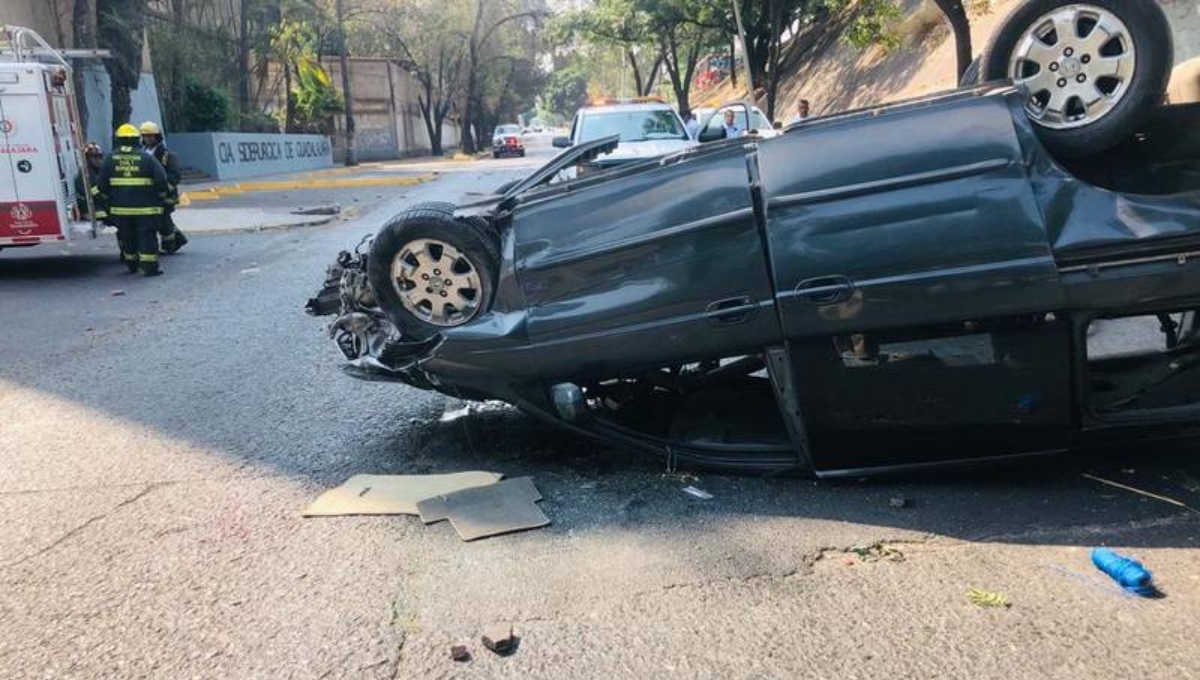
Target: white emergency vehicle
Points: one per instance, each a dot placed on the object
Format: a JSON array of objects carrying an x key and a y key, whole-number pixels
[{"x": 40, "y": 143}]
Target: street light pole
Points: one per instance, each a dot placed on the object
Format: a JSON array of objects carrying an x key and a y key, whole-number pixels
[
  {"x": 737, "y": 16},
  {"x": 351, "y": 156}
]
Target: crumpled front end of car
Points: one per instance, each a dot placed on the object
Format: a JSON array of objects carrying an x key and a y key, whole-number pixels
[{"x": 370, "y": 342}]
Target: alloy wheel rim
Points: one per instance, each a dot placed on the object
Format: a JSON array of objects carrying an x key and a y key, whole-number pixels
[
  {"x": 436, "y": 282},
  {"x": 1075, "y": 65}
]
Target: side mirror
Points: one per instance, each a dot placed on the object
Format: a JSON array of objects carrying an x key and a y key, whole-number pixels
[
  {"x": 778, "y": 125},
  {"x": 711, "y": 134},
  {"x": 561, "y": 142}
]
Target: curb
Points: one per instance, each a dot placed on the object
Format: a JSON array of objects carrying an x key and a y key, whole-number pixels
[
  {"x": 262, "y": 228},
  {"x": 216, "y": 193}
]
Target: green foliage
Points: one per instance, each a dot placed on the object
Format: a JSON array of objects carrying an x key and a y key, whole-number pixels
[
  {"x": 315, "y": 99},
  {"x": 875, "y": 22},
  {"x": 566, "y": 92},
  {"x": 205, "y": 109}
]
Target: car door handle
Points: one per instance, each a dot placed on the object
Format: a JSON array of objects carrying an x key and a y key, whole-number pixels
[
  {"x": 826, "y": 290},
  {"x": 731, "y": 311}
]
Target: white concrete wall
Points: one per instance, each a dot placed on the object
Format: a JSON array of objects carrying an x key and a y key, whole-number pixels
[{"x": 237, "y": 155}]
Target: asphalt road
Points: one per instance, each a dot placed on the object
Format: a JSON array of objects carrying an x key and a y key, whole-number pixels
[{"x": 158, "y": 446}]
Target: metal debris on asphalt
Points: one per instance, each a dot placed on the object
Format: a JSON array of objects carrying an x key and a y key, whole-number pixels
[
  {"x": 460, "y": 653},
  {"x": 1140, "y": 492},
  {"x": 698, "y": 493},
  {"x": 500, "y": 639},
  {"x": 986, "y": 598},
  {"x": 393, "y": 494},
  {"x": 898, "y": 502},
  {"x": 117, "y": 293}
]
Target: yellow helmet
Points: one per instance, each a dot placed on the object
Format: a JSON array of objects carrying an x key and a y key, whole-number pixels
[
  {"x": 150, "y": 128},
  {"x": 126, "y": 131}
]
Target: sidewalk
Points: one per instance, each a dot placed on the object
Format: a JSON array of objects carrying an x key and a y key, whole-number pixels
[{"x": 297, "y": 199}]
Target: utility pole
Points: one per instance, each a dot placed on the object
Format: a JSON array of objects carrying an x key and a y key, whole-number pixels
[{"x": 351, "y": 157}]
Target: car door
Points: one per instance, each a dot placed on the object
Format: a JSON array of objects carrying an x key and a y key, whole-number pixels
[
  {"x": 916, "y": 287},
  {"x": 656, "y": 263}
]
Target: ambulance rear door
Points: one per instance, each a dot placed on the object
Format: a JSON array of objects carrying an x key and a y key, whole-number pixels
[{"x": 31, "y": 200}]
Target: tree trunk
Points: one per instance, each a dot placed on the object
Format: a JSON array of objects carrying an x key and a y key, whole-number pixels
[
  {"x": 637, "y": 72},
  {"x": 243, "y": 77},
  {"x": 956, "y": 14},
  {"x": 122, "y": 104},
  {"x": 83, "y": 28},
  {"x": 351, "y": 155}
]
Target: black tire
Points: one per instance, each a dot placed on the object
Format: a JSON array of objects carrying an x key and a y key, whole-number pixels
[
  {"x": 495, "y": 154},
  {"x": 521, "y": 153},
  {"x": 472, "y": 237},
  {"x": 1150, "y": 33}
]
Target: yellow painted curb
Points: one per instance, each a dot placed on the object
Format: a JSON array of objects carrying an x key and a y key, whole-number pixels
[
  {"x": 216, "y": 193},
  {"x": 285, "y": 185}
]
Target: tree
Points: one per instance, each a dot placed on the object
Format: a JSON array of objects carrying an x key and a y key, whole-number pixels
[
  {"x": 120, "y": 25},
  {"x": 425, "y": 37},
  {"x": 489, "y": 17},
  {"x": 566, "y": 92},
  {"x": 83, "y": 28},
  {"x": 622, "y": 24},
  {"x": 956, "y": 14}
]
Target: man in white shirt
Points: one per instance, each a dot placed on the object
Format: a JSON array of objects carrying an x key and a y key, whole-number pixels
[
  {"x": 691, "y": 124},
  {"x": 801, "y": 112},
  {"x": 730, "y": 126}
]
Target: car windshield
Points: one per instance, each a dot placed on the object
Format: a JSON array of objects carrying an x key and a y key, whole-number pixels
[
  {"x": 507, "y": 130},
  {"x": 632, "y": 126},
  {"x": 739, "y": 118}
]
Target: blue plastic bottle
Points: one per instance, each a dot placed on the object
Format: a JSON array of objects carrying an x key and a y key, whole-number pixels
[{"x": 1127, "y": 572}]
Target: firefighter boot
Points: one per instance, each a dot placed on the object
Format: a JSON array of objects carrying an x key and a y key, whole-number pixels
[{"x": 147, "y": 232}]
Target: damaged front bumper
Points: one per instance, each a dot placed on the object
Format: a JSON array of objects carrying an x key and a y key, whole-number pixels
[{"x": 373, "y": 346}]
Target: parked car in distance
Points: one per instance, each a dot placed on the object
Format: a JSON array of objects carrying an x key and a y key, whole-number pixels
[
  {"x": 506, "y": 141},
  {"x": 646, "y": 129}
]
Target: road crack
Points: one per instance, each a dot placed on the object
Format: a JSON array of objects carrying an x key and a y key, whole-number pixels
[{"x": 80, "y": 528}]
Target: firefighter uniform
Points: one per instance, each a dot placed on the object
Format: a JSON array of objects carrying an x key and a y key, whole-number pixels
[
  {"x": 172, "y": 238},
  {"x": 134, "y": 187},
  {"x": 85, "y": 183}
]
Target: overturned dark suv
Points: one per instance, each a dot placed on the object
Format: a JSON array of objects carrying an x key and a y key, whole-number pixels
[{"x": 921, "y": 283}]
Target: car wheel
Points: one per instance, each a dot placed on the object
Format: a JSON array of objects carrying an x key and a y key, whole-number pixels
[
  {"x": 495, "y": 154},
  {"x": 431, "y": 271},
  {"x": 1090, "y": 71},
  {"x": 521, "y": 153}
]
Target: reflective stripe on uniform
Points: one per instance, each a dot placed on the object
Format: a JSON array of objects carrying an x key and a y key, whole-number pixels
[
  {"x": 100, "y": 214},
  {"x": 148, "y": 257},
  {"x": 131, "y": 181},
  {"x": 135, "y": 212},
  {"x": 95, "y": 190}
]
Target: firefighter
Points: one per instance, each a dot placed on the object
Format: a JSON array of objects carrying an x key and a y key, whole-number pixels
[
  {"x": 152, "y": 139},
  {"x": 85, "y": 183},
  {"x": 134, "y": 186}
]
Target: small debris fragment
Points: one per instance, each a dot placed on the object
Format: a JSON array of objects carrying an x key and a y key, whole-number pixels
[
  {"x": 698, "y": 493},
  {"x": 117, "y": 293},
  {"x": 460, "y": 653},
  {"x": 898, "y": 502},
  {"x": 876, "y": 552},
  {"x": 985, "y": 598},
  {"x": 88, "y": 329},
  {"x": 499, "y": 638},
  {"x": 251, "y": 270}
]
